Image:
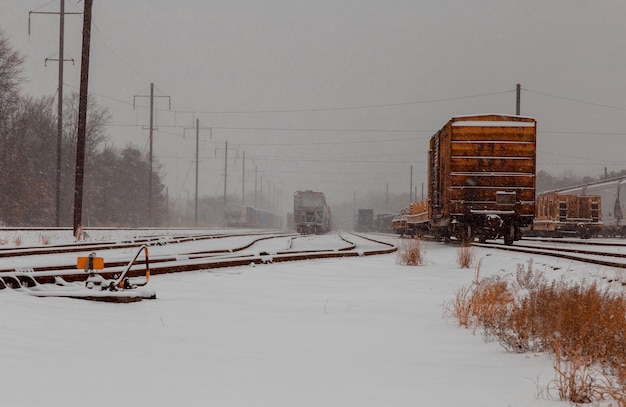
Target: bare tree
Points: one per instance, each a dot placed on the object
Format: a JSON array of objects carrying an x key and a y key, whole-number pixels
[{"x": 11, "y": 64}]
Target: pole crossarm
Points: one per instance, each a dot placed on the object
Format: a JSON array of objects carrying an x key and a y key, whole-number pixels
[
  {"x": 45, "y": 61},
  {"x": 50, "y": 12}
]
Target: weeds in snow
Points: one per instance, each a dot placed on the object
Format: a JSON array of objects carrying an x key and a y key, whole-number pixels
[
  {"x": 44, "y": 239},
  {"x": 580, "y": 325},
  {"x": 410, "y": 252},
  {"x": 465, "y": 256}
]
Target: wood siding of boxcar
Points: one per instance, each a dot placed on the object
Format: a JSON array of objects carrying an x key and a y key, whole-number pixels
[
  {"x": 569, "y": 208},
  {"x": 472, "y": 158}
]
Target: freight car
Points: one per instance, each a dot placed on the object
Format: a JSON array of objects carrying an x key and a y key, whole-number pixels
[
  {"x": 481, "y": 177},
  {"x": 412, "y": 220},
  {"x": 364, "y": 220},
  {"x": 560, "y": 215},
  {"x": 368, "y": 221},
  {"x": 311, "y": 213},
  {"x": 242, "y": 216},
  {"x": 383, "y": 222}
]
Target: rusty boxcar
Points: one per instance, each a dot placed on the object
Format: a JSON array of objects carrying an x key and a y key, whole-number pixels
[
  {"x": 481, "y": 179},
  {"x": 561, "y": 215}
]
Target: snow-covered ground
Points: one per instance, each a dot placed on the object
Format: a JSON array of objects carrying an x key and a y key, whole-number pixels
[{"x": 340, "y": 332}]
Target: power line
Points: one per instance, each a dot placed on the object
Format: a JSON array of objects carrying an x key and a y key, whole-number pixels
[
  {"x": 575, "y": 100},
  {"x": 298, "y": 129},
  {"x": 344, "y": 130},
  {"x": 600, "y": 133},
  {"x": 330, "y": 108},
  {"x": 355, "y": 107}
]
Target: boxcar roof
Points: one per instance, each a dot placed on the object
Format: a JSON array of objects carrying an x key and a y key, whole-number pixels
[
  {"x": 491, "y": 120},
  {"x": 490, "y": 115}
]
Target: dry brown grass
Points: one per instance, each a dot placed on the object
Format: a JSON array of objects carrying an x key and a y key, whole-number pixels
[
  {"x": 580, "y": 380},
  {"x": 79, "y": 233},
  {"x": 17, "y": 240},
  {"x": 44, "y": 239},
  {"x": 410, "y": 252},
  {"x": 474, "y": 305},
  {"x": 582, "y": 326},
  {"x": 460, "y": 307},
  {"x": 465, "y": 256}
]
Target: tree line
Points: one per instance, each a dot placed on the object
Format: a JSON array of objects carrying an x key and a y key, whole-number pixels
[{"x": 115, "y": 179}]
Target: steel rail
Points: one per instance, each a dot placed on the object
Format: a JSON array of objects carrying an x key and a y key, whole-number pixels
[
  {"x": 563, "y": 253},
  {"x": 205, "y": 260}
]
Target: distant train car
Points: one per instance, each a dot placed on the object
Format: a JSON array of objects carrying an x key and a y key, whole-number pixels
[
  {"x": 383, "y": 222},
  {"x": 311, "y": 213},
  {"x": 561, "y": 215},
  {"x": 242, "y": 216},
  {"x": 364, "y": 220},
  {"x": 398, "y": 223},
  {"x": 412, "y": 220},
  {"x": 481, "y": 178}
]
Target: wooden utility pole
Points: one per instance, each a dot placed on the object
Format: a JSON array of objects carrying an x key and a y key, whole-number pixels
[
  {"x": 197, "y": 129},
  {"x": 518, "y": 98},
  {"x": 387, "y": 198},
  {"x": 197, "y": 161},
  {"x": 411, "y": 187},
  {"x": 151, "y": 154},
  {"x": 261, "y": 191},
  {"x": 61, "y": 59},
  {"x": 225, "y": 171},
  {"x": 82, "y": 118},
  {"x": 60, "y": 113},
  {"x": 151, "y": 129},
  {"x": 243, "y": 180}
]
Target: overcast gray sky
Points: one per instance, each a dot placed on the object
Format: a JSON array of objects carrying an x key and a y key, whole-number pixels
[{"x": 338, "y": 95}]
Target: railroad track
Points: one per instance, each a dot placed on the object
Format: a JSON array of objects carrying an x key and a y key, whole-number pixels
[
  {"x": 278, "y": 247},
  {"x": 586, "y": 242},
  {"x": 567, "y": 250},
  {"x": 111, "y": 245}
]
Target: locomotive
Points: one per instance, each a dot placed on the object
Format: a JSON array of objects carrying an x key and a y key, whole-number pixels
[
  {"x": 481, "y": 179},
  {"x": 311, "y": 213}
]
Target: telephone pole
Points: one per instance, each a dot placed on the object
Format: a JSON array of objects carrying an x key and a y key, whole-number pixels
[
  {"x": 197, "y": 128},
  {"x": 60, "y": 112},
  {"x": 82, "y": 119},
  {"x": 518, "y": 97},
  {"x": 61, "y": 60},
  {"x": 197, "y": 163},
  {"x": 151, "y": 96},
  {"x": 225, "y": 171},
  {"x": 243, "y": 181},
  {"x": 225, "y": 174},
  {"x": 411, "y": 187}
]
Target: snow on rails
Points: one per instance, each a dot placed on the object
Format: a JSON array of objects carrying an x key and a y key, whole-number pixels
[{"x": 95, "y": 278}]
